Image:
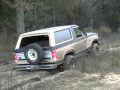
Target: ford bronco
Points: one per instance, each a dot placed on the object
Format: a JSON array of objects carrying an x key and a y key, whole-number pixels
[{"x": 53, "y": 47}]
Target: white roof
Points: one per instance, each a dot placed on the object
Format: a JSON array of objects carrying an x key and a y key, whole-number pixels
[{"x": 48, "y": 30}]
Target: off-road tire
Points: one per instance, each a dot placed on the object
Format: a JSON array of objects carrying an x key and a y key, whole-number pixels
[
  {"x": 95, "y": 49},
  {"x": 69, "y": 63},
  {"x": 38, "y": 51}
]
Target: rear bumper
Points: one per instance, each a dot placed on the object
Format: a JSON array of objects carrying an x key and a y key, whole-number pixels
[{"x": 35, "y": 67}]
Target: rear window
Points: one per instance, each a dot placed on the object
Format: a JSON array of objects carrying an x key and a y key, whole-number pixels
[
  {"x": 63, "y": 35},
  {"x": 42, "y": 40}
]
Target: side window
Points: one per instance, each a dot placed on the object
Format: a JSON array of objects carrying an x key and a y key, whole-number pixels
[
  {"x": 77, "y": 32},
  {"x": 63, "y": 35}
]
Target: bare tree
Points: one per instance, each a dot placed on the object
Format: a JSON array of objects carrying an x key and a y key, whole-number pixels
[{"x": 20, "y": 17}]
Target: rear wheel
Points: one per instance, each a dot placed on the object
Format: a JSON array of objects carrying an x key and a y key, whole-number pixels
[
  {"x": 69, "y": 63},
  {"x": 34, "y": 53}
]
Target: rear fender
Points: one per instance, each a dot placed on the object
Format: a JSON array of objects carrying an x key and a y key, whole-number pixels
[{"x": 70, "y": 52}]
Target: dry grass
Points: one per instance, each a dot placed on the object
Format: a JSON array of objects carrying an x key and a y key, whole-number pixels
[{"x": 104, "y": 31}]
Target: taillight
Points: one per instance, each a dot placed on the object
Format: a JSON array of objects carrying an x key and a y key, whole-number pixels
[
  {"x": 15, "y": 57},
  {"x": 54, "y": 55}
]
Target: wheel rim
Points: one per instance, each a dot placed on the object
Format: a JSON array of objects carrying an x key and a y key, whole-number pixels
[{"x": 32, "y": 54}]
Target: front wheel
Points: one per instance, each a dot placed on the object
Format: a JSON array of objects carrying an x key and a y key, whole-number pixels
[{"x": 95, "y": 49}]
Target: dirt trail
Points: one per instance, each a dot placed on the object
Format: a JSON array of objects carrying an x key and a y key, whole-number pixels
[{"x": 81, "y": 81}]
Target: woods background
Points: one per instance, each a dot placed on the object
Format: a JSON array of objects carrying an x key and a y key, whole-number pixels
[{"x": 19, "y": 16}]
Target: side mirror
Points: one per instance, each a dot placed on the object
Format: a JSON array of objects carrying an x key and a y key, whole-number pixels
[
  {"x": 84, "y": 33},
  {"x": 79, "y": 35}
]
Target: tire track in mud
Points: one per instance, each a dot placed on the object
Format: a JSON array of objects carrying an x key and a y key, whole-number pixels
[
  {"x": 36, "y": 80},
  {"x": 10, "y": 78}
]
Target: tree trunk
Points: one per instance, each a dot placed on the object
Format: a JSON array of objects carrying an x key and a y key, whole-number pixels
[{"x": 20, "y": 20}]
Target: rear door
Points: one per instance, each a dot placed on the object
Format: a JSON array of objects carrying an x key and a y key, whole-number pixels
[
  {"x": 80, "y": 39},
  {"x": 62, "y": 40}
]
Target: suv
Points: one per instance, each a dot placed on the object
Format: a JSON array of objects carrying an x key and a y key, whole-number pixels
[{"x": 53, "y": 47}]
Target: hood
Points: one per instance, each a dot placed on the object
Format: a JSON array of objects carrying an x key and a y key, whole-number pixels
[{"x": 91, "y": 33}]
